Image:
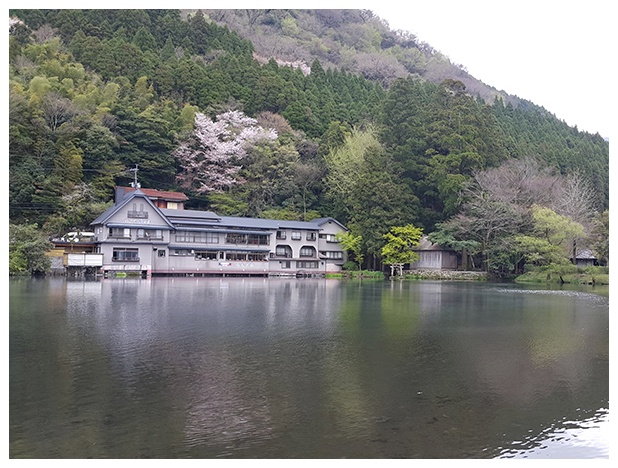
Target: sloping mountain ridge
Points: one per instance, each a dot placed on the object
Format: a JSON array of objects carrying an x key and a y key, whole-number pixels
[{"x": 357, "y": 41}]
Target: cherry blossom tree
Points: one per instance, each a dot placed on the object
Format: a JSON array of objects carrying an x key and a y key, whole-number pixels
[{"x": 211, "y": 157}]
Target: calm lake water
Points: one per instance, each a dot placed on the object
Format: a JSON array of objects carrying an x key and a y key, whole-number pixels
[{"x": 311, "y": 368}]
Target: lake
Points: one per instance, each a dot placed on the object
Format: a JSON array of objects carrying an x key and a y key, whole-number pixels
[{"x": 306, "y": 368}]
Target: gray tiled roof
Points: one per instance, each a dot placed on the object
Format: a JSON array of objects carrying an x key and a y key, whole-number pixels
[
  {"x": 185, "y": 214},
  {"x": 209, "y": 218}
]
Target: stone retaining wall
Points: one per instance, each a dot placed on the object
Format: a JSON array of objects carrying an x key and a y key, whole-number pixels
[{"x": 448, "y": 275}]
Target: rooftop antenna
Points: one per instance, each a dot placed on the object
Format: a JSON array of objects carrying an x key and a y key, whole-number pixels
[{"x": 135, "y": 184}]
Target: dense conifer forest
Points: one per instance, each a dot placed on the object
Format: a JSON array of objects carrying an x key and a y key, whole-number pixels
[{"x": 292, "y": 115}]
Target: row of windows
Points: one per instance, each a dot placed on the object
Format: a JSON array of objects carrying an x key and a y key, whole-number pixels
[
  {"x": 286, "y": 251},
  {"x": 333, "y": 255},
  {"x": 301, "y": 264},
  {"x": 213, "y": 255},
  {"x": 125, "y": 233},
  {"x": 213, "y": 237},
  {"x": 132, "y": 255},
  {"x": 196, "y": 237},
  {"x": 296, "y": 235}
]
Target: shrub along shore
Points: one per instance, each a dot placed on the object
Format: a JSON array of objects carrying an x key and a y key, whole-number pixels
[{"x": 585, "y": 276}]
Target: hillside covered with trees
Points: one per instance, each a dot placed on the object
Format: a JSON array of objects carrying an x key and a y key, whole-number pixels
[{"x": 291, "y": 114}]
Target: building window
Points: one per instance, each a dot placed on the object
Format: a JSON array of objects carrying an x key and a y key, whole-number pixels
[
  {"x": 283, "y": 251},
  {"x": 206, "y": 255},
  {"x": 329, "y": 237},
  {"x": 296, "y": 235},
  {"x": 125, "y": 255},
  {"x": 257, "y": 239},
  {"x": 236, "y": 256},
  {"x": 307, "y": 251},
  {"x": 181, "y": 252},
  {"x": 306, "y": 264},
  {"x": 161, "y": 253},
  {"x": 172, "y": 205},
  {"x": 120, "y": 233},
  {"x": 257, "y": 257},
  {"x": 149, "y": 234},
  {"x": 212, "y": 238},
  {"x": 185, "y": 236},
  {"x": 197, "y": 237},
  {"x": 285, "y": 264},
  {"x": 280, "y": 234},
  {"x": 311, "y": 235},
  {"x": 234, "y": 238},
  {"x": 333, "y": 254}
]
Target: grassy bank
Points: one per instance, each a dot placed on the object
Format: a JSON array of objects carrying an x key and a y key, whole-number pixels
[
  {"x": 364, "y": 274},
  {"x": 589, "y": 275},
  {"x": 414, "y": 275}
]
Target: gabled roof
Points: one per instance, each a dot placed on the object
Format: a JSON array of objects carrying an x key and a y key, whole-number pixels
[
  {"x": 191, "y": 215},
  {"x": 585, "y": 254},
  {"x": 424, "y": 244},
  {"x": 210, "y": 218},
  {"x": 263, "y": 223},
  {"x": 153, "y": 193},
  {"x": 321, "y": 221},
  {"x": 107, "y": 214}
]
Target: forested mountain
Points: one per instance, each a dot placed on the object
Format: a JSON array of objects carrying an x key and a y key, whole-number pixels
[{"x": 272, "y": 113}]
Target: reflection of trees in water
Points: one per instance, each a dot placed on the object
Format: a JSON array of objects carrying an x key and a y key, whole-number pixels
[{"x": 215, "y": 367}]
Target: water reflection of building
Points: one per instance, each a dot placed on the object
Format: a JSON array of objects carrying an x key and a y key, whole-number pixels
[{"x": 206, "y": 344}]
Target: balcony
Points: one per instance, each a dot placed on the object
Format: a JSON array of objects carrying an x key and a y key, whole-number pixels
[
  {"x": 150, "y": 237},
  {"x": 83, "y": 259}
]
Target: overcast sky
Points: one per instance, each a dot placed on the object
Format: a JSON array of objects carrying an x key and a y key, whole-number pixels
[{"x": 553, "y": 53}]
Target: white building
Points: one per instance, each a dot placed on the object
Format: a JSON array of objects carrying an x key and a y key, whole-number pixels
[{"x": 137, "y": 235}]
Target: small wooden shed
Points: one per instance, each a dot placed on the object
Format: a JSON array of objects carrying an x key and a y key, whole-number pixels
[
  {"x": 585, "y": 258},
  {"x": 434, "y": 256}
]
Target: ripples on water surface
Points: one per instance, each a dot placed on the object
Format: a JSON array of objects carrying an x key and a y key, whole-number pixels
[{"x": 267, "y": 368}]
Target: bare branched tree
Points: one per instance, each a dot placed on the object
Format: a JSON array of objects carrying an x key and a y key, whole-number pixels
[
  {"x": 58, "y": 110},
  {"x": 576, "y": 198},
  {"x": 522, "y": 182},
  {"x": 44, "y": 34}
]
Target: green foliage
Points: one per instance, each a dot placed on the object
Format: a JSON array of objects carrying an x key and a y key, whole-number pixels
[
  {"x": 551, "y": 242},
  {"x": 365, "y": 191},
  {"x": 281, "y": 213},
  {"x": 552, "y": 237},
  {"x": 399, "y": 243},
  {"x": 27, "y": 250},
  {"x": 600, "y": 237},
  {"x": 352, "y": 244}
]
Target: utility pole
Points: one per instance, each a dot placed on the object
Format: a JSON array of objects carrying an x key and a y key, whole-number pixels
[{"x": 135, "y": 184}]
